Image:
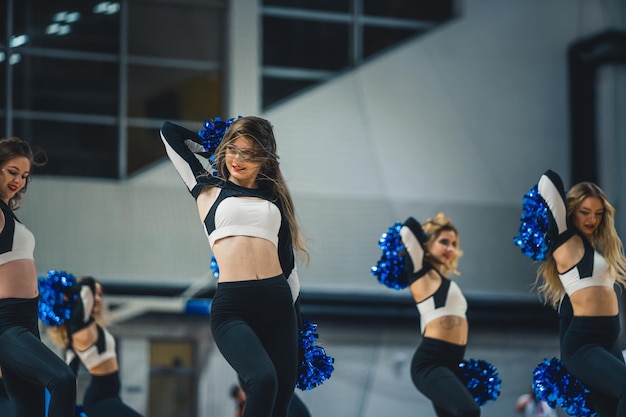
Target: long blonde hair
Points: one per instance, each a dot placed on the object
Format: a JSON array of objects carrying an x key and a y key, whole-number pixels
[
  {"x": 604, "y": 240},
  {"x": 433, "y": 227},
  {"x": 260, "y": 131}
]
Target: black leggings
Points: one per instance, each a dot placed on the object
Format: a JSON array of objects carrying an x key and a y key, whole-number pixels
[
  {"x": 28, "y": 365},
  {"x": 254, "y": 326},
  {"x": 6, "y": 409},
  {"x": 297, "y": 408},
  {"x": 102, "y": 398},
  {"x": 590, "y": 351},
  {"x": 433, "y": 370}
]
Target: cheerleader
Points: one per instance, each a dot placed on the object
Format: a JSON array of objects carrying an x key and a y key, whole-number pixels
[
  {"x": 28, "y": 365},
  {"x": 581, "y": 261},
  {"x": 85, "y": 339},
  {"x": 248, "y": 216},
  {"x": 432, "y": 256}
]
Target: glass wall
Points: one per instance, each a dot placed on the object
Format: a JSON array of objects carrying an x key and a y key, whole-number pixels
[
  {"x": 90, "y": 82},
  {"x": 306, "y": 42}
]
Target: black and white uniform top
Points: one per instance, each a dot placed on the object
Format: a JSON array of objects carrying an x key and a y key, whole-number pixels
[
  {"x": 16, "y": 241},
  {"x": 448, "y": 300},
  {"x": 101, "y": 351},
  {"x": 591, "y": 271},
  {"x": 261, "y": 216}
]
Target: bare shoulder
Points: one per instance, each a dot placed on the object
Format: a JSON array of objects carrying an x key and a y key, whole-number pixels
[
  {"x": 425, "y": 286},
  {"x": 205, "y": 199},
  {"x": 569, "y": 253}
]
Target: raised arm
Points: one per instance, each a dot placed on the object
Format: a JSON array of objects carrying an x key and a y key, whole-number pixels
[
  {"x": 543, "y": 224},
  {"x": 413, "y": 239},
  {"x": 182, "y": 145},
  {"x": 551, "y": 188}
]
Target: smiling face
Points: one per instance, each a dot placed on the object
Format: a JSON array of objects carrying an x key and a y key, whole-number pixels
[
  {"x": 443, "y": 249},
  {"x": 242, "y": 162},
  {"x": 588, "y": 215},
  {"x": 13, "y": 177}
]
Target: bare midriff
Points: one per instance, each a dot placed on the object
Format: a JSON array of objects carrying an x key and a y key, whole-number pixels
[
  {"x": 18, "y": 279},
  {"x": 451, "y": 329},
  {"x": 244, "y": 258},
  {"x": 595, "y": 301}
]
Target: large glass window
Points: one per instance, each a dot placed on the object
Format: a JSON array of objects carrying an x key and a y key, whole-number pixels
[
  {"x": 91, "y": 81},
  {"x": 70, "y": 146},
  {"x": 305, "y": 42},
  {"x": 59, "y": 84}
]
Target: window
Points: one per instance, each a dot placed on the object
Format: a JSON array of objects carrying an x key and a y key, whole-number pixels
[
  {"x": 91, "y": 81},
  {"x": 306, "y": 42}
]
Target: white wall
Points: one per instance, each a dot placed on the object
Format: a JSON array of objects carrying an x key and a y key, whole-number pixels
[{"x": 463, "y": 120}]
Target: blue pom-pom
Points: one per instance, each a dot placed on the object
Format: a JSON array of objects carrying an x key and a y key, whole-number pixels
[
  {"x": 55, "y": 301},
  {"x": 481, "y": 379},
  {"x": 214, "y": 267},
  {"x": 315, "y": 365},
  {"x": 533, "y": 234},
  {"x": 213, "y": 132},
  {"x": 553, "y": 384},
  {"x": 389, "y": 270}
]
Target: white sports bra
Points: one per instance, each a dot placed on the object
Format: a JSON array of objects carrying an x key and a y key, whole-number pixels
[
  {"x": 98, "y": 352},
  {"x": 448, "y": 300},
  {"x": 591, "y": 271},
  {"x": 16, "y": 241},
  {"x": 241, "y": 216}
]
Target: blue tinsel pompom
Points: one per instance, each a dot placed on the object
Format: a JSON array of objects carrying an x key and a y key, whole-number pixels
[
  {"x": 55, "y": 301},
  {"x": 389, "y": 270},
  {"x": 481, "y": 379},
  {"x": 213, "y": 132},
  {"x": 553, "y": 384},
  {"x": 315, "y": 365},
  {"x": 214, "y": 267},
  {"x": 532, "y": 236}
]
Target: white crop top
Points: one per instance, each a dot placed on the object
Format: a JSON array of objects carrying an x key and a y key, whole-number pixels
[
  {"x": 241, "y": 216},
  {"x": 16, "y": 241},
  {"x": 591, "y": 271},
  {"x": 98, "y": 352},
  {"x": 448, "y": 300}
]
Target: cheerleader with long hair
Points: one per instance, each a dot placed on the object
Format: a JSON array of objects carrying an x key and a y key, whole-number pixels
[
  {"x": 578, "y": 275},
  {"x": 248, "y": 215},
  {"x": 85, "y": 339}
]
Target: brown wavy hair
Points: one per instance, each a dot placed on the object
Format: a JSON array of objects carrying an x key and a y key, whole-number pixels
[
  {"x": 13, "y": 147},
  {"x": 261, "y": 132}
]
